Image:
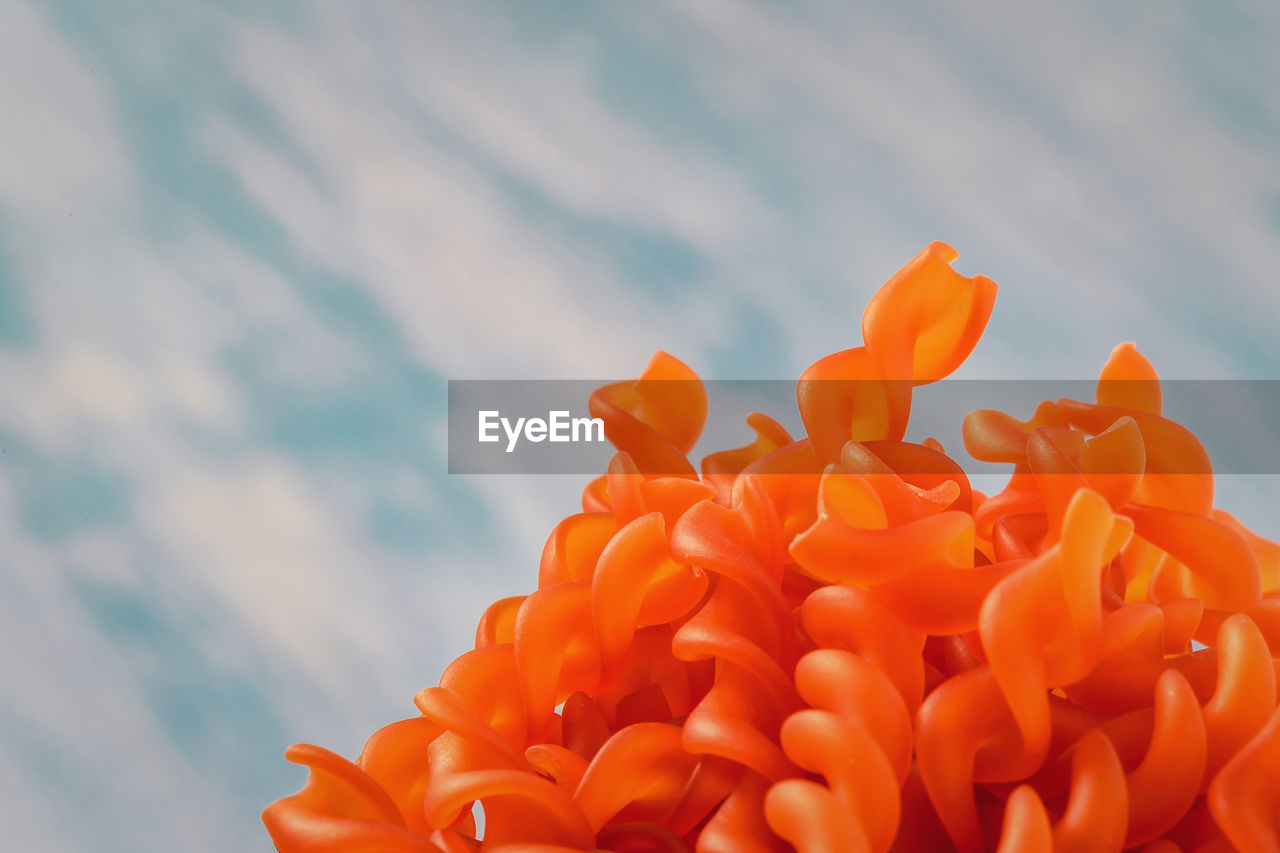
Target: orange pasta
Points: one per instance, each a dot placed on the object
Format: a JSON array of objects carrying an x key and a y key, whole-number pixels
[{"x": 834, "y": 643}]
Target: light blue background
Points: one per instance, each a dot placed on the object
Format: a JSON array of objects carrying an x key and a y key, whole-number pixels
[{"x": 242, "y": 246}]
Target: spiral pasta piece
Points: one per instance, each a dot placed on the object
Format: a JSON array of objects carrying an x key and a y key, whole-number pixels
[{"x": 832, "y": 643}]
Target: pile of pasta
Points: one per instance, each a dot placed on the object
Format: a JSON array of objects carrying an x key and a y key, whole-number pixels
[{"x": 835, "y": 643}]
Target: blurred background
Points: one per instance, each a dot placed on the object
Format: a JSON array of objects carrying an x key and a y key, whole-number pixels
[{"x": 244, "y": 244}]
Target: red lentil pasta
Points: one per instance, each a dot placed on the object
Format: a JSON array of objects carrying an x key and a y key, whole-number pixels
[{"x": 812, "y": 645}]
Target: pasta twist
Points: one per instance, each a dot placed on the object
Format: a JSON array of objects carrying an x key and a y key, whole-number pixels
[{"x": 834, "y": 644}]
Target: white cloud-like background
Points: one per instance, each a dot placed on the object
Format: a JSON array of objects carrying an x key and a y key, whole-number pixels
[{"x": 243, "y": 246}]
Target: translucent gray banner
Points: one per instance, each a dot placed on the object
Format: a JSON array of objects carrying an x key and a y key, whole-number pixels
[{"x": 546, "y": 426}]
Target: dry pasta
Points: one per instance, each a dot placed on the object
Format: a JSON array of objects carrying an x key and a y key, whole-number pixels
[{"x": 836, "y": 644}]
